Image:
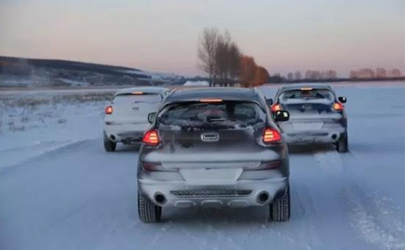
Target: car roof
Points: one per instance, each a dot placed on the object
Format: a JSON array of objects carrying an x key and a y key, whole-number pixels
[
  {"x": 153, "y": 90},
  {"x": 297, "y": 86},
  {"x": 229, "y": 93}
]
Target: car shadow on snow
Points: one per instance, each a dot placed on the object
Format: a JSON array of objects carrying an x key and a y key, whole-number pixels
[
  {"x": 127, "y": 148},
  {"x": 229, "y": 217},
  {"x": 310, "y": 148},
  {"x": 217, "y": 216}
]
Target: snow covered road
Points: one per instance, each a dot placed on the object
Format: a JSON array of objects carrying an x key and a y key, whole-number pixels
[{"x": 77, "y": 196}]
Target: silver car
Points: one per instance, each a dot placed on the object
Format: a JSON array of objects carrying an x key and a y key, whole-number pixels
[
  {"x": 126, "y": 118},
  {"x": 213, "y": 147},
  {"x": 316, "y": 115}
]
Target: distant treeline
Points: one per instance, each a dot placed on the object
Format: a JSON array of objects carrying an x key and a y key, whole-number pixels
[
  {"x": 284, "y": 80},
  {"x": 366, "y": 74}
]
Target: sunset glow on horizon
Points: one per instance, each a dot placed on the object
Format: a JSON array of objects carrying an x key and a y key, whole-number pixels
[{"x": 162, "y": 35}]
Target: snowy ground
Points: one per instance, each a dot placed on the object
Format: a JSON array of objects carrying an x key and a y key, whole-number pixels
[{"x": 60, "y": 190}]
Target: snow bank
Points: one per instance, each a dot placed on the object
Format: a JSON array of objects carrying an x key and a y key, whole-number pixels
[{"x": 33, "y": 124}]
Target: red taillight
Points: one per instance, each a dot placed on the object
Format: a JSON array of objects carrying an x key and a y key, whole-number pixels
[
  {"x": 271, "y": 135},
  {"x": 108, "y": 110},
  {"x": 151, "y": 138},
  {"x": 338, "y": 106},
  {"x": 266, "y": 165},
  {"x": 156, "y": 167},
  {"x": 275, "y": 107}
]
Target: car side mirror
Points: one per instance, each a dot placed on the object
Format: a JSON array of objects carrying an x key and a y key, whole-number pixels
[
  {"x": 151, "y": 117},
  {"x": 342, "y": 99},
  {"x": 269, "y": 102},
  {"x": 281, "y": 116}
]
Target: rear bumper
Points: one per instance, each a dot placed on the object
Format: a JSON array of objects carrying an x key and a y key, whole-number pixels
[
  {"x": 238, "y": 194},
  {"x": 314, "y": 136},
  {"x": 126, "y": 133}
]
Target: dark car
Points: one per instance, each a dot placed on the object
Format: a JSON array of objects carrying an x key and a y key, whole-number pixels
[
  {"x": 214, "y": 147},
  {"x": 316, "y": 115}
]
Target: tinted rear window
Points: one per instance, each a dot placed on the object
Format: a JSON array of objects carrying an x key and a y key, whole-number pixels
[
  {"x": 224, "y": 114},
  {"x": 141, "y": 99},
  {"x": 306, "y": 95}
]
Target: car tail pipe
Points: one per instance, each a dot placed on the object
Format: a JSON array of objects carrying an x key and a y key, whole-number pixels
[
  {"x": 160, "y": 199},
  {"x": 263, "y": 197},
  {"x": 334, "y": 137}
]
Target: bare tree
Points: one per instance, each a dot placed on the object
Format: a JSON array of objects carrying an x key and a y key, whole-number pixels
[
  {"x": 297, "y": 75},
  {"x": 248, "y": 69},
  {"x": 381, "y": 73},
  {"x": 221, "y": 58},
  {"x": 207, "y": 52},
  {"x": 396, "y": 73},
  {"x": 309, "y": 74},
  {"x": 234, "y": 61},
  {"x": 354, "y": 74},
  {"x": 261, "y": 76},
  {"x": 227, "y": 58},
  {"x": 290, "y": 76}
]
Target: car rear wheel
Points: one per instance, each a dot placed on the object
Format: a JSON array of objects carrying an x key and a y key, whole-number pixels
[
  {"x": 280, "y": 209},
  {"x": 109, "y": 145},
  {"x": 148, "y": 212},
  {"x": 342, "y": 145}
]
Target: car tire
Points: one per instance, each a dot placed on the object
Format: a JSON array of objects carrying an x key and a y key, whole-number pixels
[
  {"x": 342, "y": 146},
  {"x": 109, "y": 145},
  {"x": 147, "y": 211},
  {"x": 280, "y": 209}
]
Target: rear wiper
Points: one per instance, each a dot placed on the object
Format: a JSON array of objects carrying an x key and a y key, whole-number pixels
[{"x": 217, "y": 119}]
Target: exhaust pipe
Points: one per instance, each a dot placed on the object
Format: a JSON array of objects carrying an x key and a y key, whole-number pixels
[
  {"x": 262, "y": 197},
  {"x": 160, "y": 198},
  {"x": 334, "y": 137}
]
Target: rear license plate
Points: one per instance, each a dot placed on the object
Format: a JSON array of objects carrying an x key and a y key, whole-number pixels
[
  {"x": 210, "y": 176},
  {"x": 308, "y": 126}
]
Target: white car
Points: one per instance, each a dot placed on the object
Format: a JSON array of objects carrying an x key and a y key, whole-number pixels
[{"x": 126, "y": 119}]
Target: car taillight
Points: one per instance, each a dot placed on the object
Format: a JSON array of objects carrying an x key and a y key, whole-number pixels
[
  {"x": 275, "y": 107},
  {"x": 271, "y": 135},
  {"x": 156, "y": 167},
  {"x": 109, "y": 110},
  {"x": 151, "y": 138},
  {"x": 338, "y": 106},
  {"x": 266, "y": 165}
]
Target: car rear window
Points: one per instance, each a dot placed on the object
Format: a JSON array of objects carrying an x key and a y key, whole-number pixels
[
  {"x": 133, "y": 99},
  {"x": 307, "y": 94},
  {"x": 230, "y": 114}
]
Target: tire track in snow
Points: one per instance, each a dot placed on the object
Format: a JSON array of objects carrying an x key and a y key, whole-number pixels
[
  {"x": 368, "y": 227},
  {"x": 373, "y": 216},
  {"x": 314, "y": 201},
  {"x": 370, "y": 216},
  {"x": 64, "y": 147}
]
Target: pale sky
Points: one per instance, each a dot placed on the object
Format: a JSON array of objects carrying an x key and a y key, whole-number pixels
[{"x": 162, "y": 35}]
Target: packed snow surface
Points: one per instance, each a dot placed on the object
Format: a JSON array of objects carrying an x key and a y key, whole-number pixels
[{"x": 59, "y": 189}]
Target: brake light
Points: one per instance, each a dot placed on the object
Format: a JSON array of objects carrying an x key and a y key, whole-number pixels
[
  {"x": 275, "y": 107},
  {"x": 151, "y": 138},
  {"x": 109, "y": 110},
  {"x": 156, "y": 167},
  {"x": 271, "y": 135},
  {"x": 211, "y": 100},
  {"x": 137, "y": 93},
  {"x": 338, "y": 106},
  {"x": 266, "y": 165}
]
